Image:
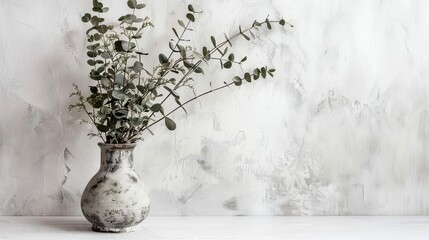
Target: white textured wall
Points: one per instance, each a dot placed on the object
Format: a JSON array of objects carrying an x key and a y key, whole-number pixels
[{"x": 343, "y": 128}]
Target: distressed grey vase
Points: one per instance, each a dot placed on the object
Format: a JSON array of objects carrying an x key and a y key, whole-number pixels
[{"x": 115, "y": 199}]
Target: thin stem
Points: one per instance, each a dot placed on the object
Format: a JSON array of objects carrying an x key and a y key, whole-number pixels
[
  {"x": 93, "y": 121},
  {"x": 178, "y": 40},
  {"x": 190, "y": 100}
]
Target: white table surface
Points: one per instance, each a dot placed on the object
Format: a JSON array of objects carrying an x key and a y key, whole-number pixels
[{"x": 319, "y": 228}]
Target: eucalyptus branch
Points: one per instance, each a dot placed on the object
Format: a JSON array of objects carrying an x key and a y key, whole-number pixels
[
  {"x": 215, "y": 48},
  {"x": 190, "y": 100},
  {"x": 123, "y": 107}
]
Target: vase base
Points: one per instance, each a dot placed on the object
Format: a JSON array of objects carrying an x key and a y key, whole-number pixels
[{"x": 114, "y": 230}]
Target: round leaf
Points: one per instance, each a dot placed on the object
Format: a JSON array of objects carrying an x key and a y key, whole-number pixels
[
  {"x": 191, "y": 17},
  {"x": 171, "y": 125}
]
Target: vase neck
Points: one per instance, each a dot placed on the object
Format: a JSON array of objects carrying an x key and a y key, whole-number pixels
[{"x": 116, "y": 156}]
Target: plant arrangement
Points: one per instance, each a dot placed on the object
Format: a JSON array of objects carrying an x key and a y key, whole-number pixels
[{"x": 126, "y": 98}]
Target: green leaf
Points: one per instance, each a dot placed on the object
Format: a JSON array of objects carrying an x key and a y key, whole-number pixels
[
  {"x": 140, "y": 6},
  {"x": 171, "y": 125},
  {"x": 111, "y": 123},
  {"x": 102, "y": 29},
  {"x": 282, "y": 22},
  {"x": 237, "y": 80},
  {"x": 191, "y": 17},
  {"x": 138, "y": 66},
  {"x": 127, "y": 46},
  {"x": 141, "y": 89},
  {"x": 268, "y": 23},
  {"x": 206, "y": 54},
  {"x": 138, "y": 20},
  {"x": 181, "y": 106},
  {"x": 256, "y": 73},
  {"x": 97, "y": 36},
  {"x": 162, "y": 58},
  {"x": 93, "y": 89},
  {"x": 105, "y": 55},
  {"x": 231, "y": 57},
  {"x": 227, "y": 64},
  {"x": 263, "y": 72},
  {"x": 102, "y": 128},
  {"x": 94, "y": 20},
  {"x": 93, "y": 47},
  {"x": 136, "y": 122},
  {"x": 213, "y": 41},
  {"x": 198, "y": 70},
  {"x": 256, "y": 23},
  {"x": 91, "y": 62},
  {"x": 156, "y": 108},
  {"x": 225, "y": 51},
  {"x": 174, "y": 93},
  {"x": 247, "y": 77},
  {"x": 244, "y": 35},
  {"x": 188, "y": 64},
  {"x": 182, "y": 51},
  {"x": 181, "y": 23},
  {"x": 119, "y": 94},
  {"x": 106, "y": 82},
  {"x": 244, "y": 59},
  {"x": 120, "y": 79},
  {"x": 191, "y": 8},
  {"x": 129, "y": 18},
  {"x": 132, "y": 4},
  {"x": 91, "y": 54},
  {"x": 175, "y": 33},
  {"x": 86, "y": 17},
  {"x": 120, "y": 114}
]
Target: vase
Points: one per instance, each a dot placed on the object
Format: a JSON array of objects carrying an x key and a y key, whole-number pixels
[{"x": 115, "y": 199}]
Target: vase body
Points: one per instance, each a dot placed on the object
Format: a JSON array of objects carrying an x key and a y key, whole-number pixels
[{"x": 115, "y": 199}]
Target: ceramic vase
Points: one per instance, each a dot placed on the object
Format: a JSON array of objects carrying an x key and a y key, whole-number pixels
[{"x": 115, "y": 199}]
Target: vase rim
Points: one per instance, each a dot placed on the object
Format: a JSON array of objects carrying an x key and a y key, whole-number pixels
[{"x": 117, "y": 145}]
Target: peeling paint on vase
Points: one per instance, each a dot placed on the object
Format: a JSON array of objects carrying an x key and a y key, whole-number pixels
[{"x": 115, "y": 199}]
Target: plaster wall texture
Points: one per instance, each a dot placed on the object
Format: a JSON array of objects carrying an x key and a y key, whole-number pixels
[{"x": 342, "y": 129}]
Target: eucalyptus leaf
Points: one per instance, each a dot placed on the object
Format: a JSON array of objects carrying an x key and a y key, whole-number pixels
[
  {"x": 181, "y": 23},
  {"x": 213, "y": 41},
  {"x": 86, "y": 17},
  {"x": 162, "y": 58},
  {"x": 117, "y": 94},
  {"x": 191, "y": 8},
  {"x": 231, "y": 57},
  {"x": 136, "y": 122},
  {"x": 156, "y": 107},
  {"x": 227, "y": 64},
  {"x": 105, "y": 82},
  {"x": 171, "y": 125},
  {"x": 140, "y": 6},
  {"x": 174, "y": 93},
  {"x": 120, "y": 113},
  {"x": 138, "y": 66},
  {"x": 120, "y": 79},
  {"x": 132, "y": 4},
  {"x": 263, "y": 72},
  {"x": 102, "y": 128},
  {"x": 268, "y": 23},
  {"x": 247, "y": 77},
  {"x": 191, "y": 17}
]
